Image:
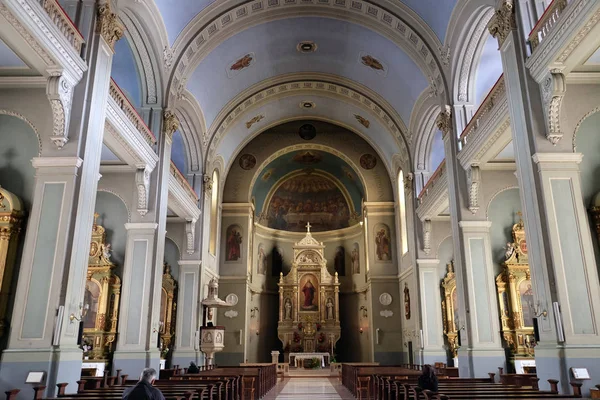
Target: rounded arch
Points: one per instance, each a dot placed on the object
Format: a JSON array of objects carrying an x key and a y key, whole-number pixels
[
  {"x": 114, "y": 193},
  {"x": 493, "y": 197},
  {"x": 580, "y": 122},
  {"x": 193, "y": 130},
  {"x": 437, "y": 252},
  {"x": 28, "y": 122},
  {"x": 422, "y": 123}
]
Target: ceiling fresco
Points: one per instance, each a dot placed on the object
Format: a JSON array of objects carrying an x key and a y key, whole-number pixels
[{"x": 306, "y": 163}]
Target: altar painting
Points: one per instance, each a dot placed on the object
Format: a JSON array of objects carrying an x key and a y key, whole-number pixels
[
  {"x": 309, "y": 293},
  {"x": 455, "y": 309},
  {"x": 308, "y": 198},
  {"x": 92, "y": 296},
  {"x": 526, "y": 296}
]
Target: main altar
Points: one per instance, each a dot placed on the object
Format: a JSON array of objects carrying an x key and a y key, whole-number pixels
[{"x": 309, "y": 320}]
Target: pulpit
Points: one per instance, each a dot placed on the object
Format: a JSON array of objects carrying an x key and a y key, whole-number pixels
[
  {"x": 212, "y": 338},
  {"x": 309, "y": 319}
]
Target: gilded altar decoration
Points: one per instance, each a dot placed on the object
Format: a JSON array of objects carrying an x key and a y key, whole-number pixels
[
  {"x": 450, "y": 310},
  {"x": 11, "y": 214},
  {"x": 308, "y": 300},
  {"x": 254, "y": 120},
  {"x": 168, "y": 308},
  {"x": 102, "y": 293},
  {"x": 108, "y": 25},
  {"x": 515, "y": 296}
]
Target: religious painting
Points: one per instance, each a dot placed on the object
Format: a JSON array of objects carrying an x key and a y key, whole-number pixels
[
  {"x": 233, "y": 243},
  {"x": 406, "y": 301},
  {"x": 267, "y": 175},
  {"x": 383, "y": 243},
  {"x": 455, "y": 309},
  {"x": 307, "y": 157},
  {"x": 91, "y": 300},
  {"x": 308, "y": 198},
  {"x": 339, "y": 261},
  {"x": 362, "y": 120},
  {"x": 355, "y": 257},
  {"x": 309, "y": 293},
  {"x": 368, "y": 161},
  {"x": 372, "y": 62},
  {"x": 276, "y": 261},
  {"x": 236, "y": 66},
  {"x": 163, "y": 308},
  {"x": 254, "y": 120},
  {"x": 526, "y": 295},
  {"x": 261, "y": 261},
  {"x": 247, "y": 162}
]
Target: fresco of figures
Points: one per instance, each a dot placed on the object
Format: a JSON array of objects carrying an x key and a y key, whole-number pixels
[{"x": 308, "y": 198}]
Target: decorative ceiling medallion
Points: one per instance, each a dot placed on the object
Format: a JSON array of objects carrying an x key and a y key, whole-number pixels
[
  {"x": 307, "y": 132},
  {"x": 254, "y": 121},
  {"x": 247, "y": 162},
  {"x": 368, "y": 161},
  {"x": 240, "y": 64},
  {"x": 232, "y": 299},
  {"x": 363, "y": 121},
  {"x": 306, "y": 47},
  {"x": 306, "y": 105},
  {"x": 385, "y": 299},
  {"x": 373, "y": 63}
]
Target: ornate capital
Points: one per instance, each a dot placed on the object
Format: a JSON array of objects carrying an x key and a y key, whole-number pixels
[
  {"x": 553, "y": 89},
  {"x": 444, "y": 120},
  {"x": 170, "y": 123},
  {"x": 503, "y": 21},
  {"x": 474, "y": 180},
  {"x": 60, "y": 93},
  {"x": 108, "y": 25},
  {"x": 408, "y": 182},
  {"x": 208, "y": 185},
  {"x": 142, "y": 183}
]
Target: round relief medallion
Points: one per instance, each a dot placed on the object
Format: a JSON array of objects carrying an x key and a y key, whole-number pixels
[
  {"x": 368, "y": 161},
  {"x": 247, "y": 161},
  {"x": 385, "y": 299},
  {"x": 231, "y": 299}
]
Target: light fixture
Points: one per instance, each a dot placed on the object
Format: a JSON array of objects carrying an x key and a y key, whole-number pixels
[
  {"x": 83, "y": 310},
  {"x": 360, "y": 330},
  {"x": 307, "y": 105},
  {"x": 306, "y": 47},
  {"x": 257, "y": 332},
  {"x": 537, "y": 310}
]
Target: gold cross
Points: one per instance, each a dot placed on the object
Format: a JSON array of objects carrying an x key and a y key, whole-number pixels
[{"x": 308, "y": 225}]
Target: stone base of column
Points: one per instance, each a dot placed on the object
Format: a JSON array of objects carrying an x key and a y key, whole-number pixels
[
  {"x": 432, "y": 356},
  {"x": 477, "y": 363},
  {"x": 184, "y": 357},
  {"x": 133, "y": 363},
  {"x": 60, "y": 365},
  {"x": 554, "y": 362}
]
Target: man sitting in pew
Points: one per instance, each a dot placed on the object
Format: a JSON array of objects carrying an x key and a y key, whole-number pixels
[
  {"x": 428, "y": 380},
  {"x": 144, "y": 389}
]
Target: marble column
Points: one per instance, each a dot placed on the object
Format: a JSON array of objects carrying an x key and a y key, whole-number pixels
[
  {"x": 53, "y": 269},
  {"x": 188, "y": 314},
  {"x": 432, "y": 320},
  {"x": 561, "y": 259}
]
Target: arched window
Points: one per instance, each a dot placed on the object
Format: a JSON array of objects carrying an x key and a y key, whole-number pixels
[
  {"x": 402, "y": 203},
  {"x": 213, "y": 213}
]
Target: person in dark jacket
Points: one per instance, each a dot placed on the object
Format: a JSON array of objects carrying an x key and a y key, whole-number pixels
[
  {"x": 144, "y": 389},
  {"x": 193, "y": 368},
  {"x": 428, "y": 380}
]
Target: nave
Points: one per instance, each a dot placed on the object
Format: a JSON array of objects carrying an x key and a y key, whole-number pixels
[{"x": 315, "y": 388}]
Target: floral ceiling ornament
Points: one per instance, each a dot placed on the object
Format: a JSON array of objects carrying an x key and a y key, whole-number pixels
[
  {"x": 363, "y": 121},
  {"x": 108, "y": 25},
  {"x": 254, "y": 121},
  {"x": 503, "y": 21}
]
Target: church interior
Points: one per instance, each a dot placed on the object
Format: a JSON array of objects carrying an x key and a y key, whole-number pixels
[{"x": 341, "y": 190}]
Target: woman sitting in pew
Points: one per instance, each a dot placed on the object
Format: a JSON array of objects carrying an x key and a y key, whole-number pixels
[
  {"x": 428, "y": 380},
  {"x": 193, "y": 368}
]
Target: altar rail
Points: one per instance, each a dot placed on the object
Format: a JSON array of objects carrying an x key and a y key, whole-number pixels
[
  {"x": 59, "y": 17},
  {"x": 546, "y": 23},
  {"x": 129, "y": 110}
]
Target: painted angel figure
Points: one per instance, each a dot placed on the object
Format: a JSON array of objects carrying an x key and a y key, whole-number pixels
[
  {"x": 510, "y": 249},
  {"x": 106, "y": 250}
]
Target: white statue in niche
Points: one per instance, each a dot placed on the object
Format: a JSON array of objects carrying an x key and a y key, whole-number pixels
[
  {"x": 329, "y": 306},
  {"x": 288, "y": 308}
]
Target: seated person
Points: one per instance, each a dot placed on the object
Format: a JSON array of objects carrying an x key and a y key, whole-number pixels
[
  {"x": 193, "y": 368},
  {"x": 428, "y": 380},
  {"x": 144, "y": 389}
]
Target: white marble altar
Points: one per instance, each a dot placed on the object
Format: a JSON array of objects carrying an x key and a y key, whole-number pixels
[{"x": 304, "y": 356}]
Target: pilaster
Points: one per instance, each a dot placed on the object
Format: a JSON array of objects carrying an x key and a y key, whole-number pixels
[{"x": 429, "y": 295}]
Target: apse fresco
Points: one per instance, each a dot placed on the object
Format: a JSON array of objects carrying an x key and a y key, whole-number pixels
[{"x": 308, "y": 198}]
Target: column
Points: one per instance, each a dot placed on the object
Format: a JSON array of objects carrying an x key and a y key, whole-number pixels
[
  {"x": 561, "y": 259},
  {"x": 431, "y": 310},
  {"x": 52, "y": 274},
  {"x": 188, "y": 311}
]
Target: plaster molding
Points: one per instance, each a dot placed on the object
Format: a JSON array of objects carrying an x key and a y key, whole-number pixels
[
  {"x": 28, "y": 122},
  {"x": 553, "y": 91},
  {"x": 170, "y": 123},
  {"x": 108, "y": 24},
  {"x": 557, "y": 161},
  {"x": 142, "y": 183},
  {"x": 23, "y": 82},
  {"x": 503, "y": 21},
  {"x": 475, "y": 226},
  {"x": 207, "y": 184},
  {"x": 60, "y": 94},
  {"x": 489, "y": 204},
  {"x": 180, "y": 201},
  {"x": 402, "y": 26},
  {"x": 427, "y": 236},
  {"x": 56, "y": 162},
  {"x": 586, "y": 116},
  {"x": 474, "y": 183},
  {"x": 444, "y": 120},
  {"x": 141, "y": 226},
  {"x": 190, "y": 234},
  {"x": 195, "y": 263},
  {"x": 113, "y": 192},
  {"x": 428, "y": 263}
]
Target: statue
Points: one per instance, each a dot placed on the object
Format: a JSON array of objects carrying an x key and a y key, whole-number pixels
[
  {"x": 329, "y": 306},
  {"x": 354, "y": 256},
  {"x": 106, "y": 250},
  {"x": 288, "y": 308},
  {"x": 510, "y": 249}
]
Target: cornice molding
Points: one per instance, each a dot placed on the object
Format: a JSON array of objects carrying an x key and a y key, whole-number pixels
[
  {"x": 432, "y": 203},
  {"x": 180, "y": 201},
  {"x": 56, "y": 162}
]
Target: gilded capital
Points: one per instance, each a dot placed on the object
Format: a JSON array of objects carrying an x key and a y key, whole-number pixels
[
  {"x": 444, "y": 120},
  {"x": 108, "y": 25},
  {"x": 170, "y": 123},
  {"x": 503, "y": 21}
]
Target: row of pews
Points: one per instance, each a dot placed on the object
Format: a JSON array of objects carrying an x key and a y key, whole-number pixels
[
  {"x": 400, "y": 382},
  {"x": 211, "y": 383}
]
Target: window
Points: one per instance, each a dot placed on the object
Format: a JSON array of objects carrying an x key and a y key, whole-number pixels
[
  {"x": 213, "y": 213},
  {"x": 402, "y": 203}
]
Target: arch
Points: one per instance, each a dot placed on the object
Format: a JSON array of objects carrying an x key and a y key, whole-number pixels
[
  {"x": 127, "y": 72},
  {"x": 209, "y": 29},
  {"x": 193, "y": 129},
  {"x": 121, "y": 198},
  {"x": 422, "y": 123},
  {"x": 28, "y": 122},
  {"x": 579, "y": 123},
  {"x": 504, "y": 189},
  {"x": 214, "y": 211},
  {"x": 402, "y": 212}
]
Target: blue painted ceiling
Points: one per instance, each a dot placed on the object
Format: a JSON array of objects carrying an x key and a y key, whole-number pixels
[
  {"x": 125, "y": 73},
  {"x": 436, "y": 13},
  {"x": 178, "y": 155},
  {"x": 8, "y": 58},
  {"x": 274, "y": 48},
  {"x": 488, "y": 70},
  {"x": 285, "y": 164}
]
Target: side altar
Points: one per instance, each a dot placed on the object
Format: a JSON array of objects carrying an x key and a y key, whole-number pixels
[{"x": 309, "y": 318}]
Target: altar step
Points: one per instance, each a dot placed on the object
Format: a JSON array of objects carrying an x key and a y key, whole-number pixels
[{"x": 310, "y": 373}]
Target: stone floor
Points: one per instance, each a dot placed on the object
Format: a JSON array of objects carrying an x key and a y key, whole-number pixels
[{"x": 315, "y": 388}]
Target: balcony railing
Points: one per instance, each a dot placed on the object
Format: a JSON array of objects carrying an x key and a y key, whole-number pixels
[
  {"x": 483, "y": 111},
  {"x": 183, "y": 182},
  {"x": 64, "y": 24},
  {"x": 129, "y": 110},
  {"x": 432, "y": 182},
  {"x": 546, "y": 23}
]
